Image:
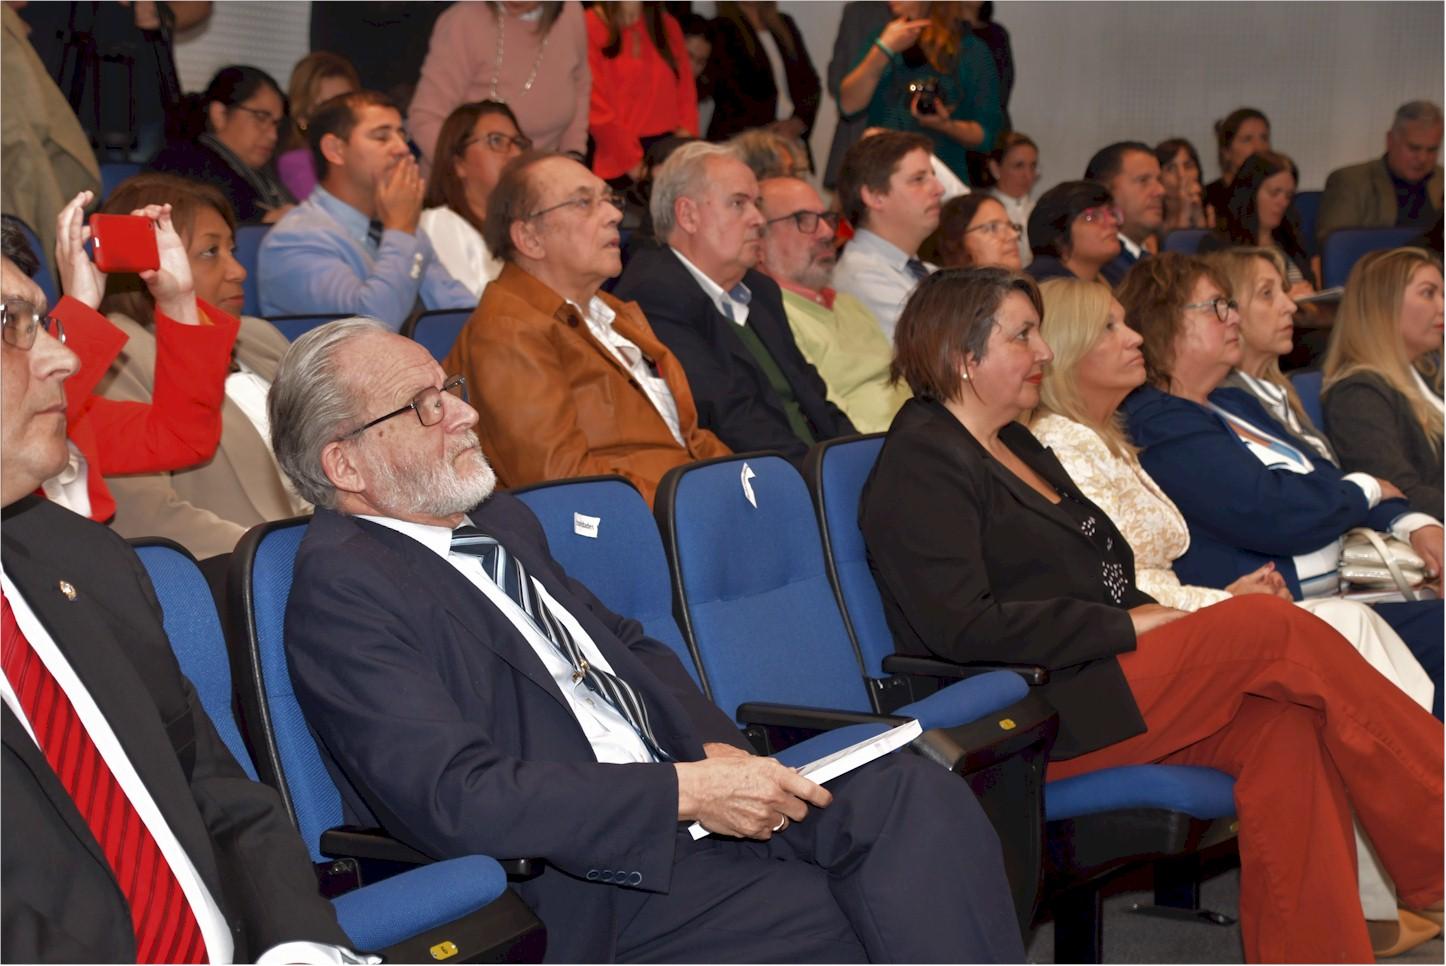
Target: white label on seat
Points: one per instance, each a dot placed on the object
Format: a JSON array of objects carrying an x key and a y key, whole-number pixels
[
  {"x": 746, "y": 476},
  {"x": 585, "y": 526}
]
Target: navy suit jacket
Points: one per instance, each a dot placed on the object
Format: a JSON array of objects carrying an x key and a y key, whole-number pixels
[
  {"x": 1115, "y": 271},
  {"x": 733, "y": 395},
  {"x": 1242, "y": 514},
  {"x": 443, "y": 726},
  {"x": 61, "y": 902}
]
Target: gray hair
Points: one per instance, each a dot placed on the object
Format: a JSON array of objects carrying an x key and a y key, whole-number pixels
[
  {"x": 683, "y": 175},
  {"x": 311, "y": 403},
  {"x": 1415, "y": 112}
]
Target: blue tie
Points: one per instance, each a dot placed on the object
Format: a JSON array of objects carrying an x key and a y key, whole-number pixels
[
  {"x": 916, "y": 268},
  {"x": 508, "y": 573}
]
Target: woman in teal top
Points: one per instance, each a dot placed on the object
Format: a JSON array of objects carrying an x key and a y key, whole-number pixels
[{"x": 925, "y": 43}]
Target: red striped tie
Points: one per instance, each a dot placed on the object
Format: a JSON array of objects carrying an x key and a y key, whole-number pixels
[{"x": 165, "y": 927}]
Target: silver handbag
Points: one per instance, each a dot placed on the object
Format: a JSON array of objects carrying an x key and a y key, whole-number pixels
[{"x": 1379, "y": 561}]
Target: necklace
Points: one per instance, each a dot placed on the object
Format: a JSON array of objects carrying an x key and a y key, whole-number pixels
[{"x": 497, "y": 71}]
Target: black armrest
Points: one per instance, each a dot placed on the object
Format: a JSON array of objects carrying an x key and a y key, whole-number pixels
[
  {"x": 813, "y": 719},
  {"x": 932, "y": 667},
  {"x": 350, "y": 841}
]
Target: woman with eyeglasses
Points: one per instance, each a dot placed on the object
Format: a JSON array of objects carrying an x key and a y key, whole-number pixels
[
  {"x": 1252, "y": 491},
  {"x": 227, "y": 137},
  {"x": 974, "y": 231},
  {"x": 1260, "y": 212},
  {"x": 316, "y": 78},
  {"x": 642, "y": 86},
  {"x": 105, "y": 436},
  {"x": 1074, "y": 231},
  {"x": 985, "y": 549},
  {"x": 475, "y": 144}
]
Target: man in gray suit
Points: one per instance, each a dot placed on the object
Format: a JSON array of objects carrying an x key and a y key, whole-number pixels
[{"x": 1402, "y": 188}]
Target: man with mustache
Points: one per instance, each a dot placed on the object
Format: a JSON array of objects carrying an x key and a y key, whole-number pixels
[
  {"x": 834, "y": 330},
  {"x": 1131, "y": 172},
  {"x": 472, "y": 698},
  {"x": 889, "y": 192},
  {"x": 720, "y": 316},
  {"x": 354, "y": 246},
  {"x": 568, "y": 380}
]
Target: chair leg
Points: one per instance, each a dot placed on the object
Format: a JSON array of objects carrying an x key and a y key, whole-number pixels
[
  {"x": 1177, "y": 893},
  {"x": 1079, "y": 926}
]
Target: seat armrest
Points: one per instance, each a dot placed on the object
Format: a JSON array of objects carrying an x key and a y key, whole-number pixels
[
  {"x": 932, "y": 667},
  {"x": 351, "y": 841},
  {"x": 768, "y": 715}
]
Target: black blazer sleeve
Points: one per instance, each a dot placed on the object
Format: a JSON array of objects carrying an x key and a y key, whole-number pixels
[
  {"x": 1374, "y": 431},
  {"x": 768, "y": 318},
  {"x": 744, "y": 94}
]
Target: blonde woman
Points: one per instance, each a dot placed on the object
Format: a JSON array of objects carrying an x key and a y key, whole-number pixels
[
  {"x": 1382, "y": 397},
  {"x": 1097, "y": 362}
]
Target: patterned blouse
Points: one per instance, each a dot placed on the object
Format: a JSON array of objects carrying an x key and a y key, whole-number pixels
[{"x": 1146, "y": 517}]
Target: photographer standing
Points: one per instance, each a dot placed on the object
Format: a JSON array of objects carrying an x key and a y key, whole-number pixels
[{"x": 926, "y": 72}]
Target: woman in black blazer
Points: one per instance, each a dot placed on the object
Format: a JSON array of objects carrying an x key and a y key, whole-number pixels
[
  {"x": 984, "y": 549},
  {"x": 740, "y": 74}
]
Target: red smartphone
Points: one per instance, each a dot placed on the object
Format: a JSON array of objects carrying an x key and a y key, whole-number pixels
[{"x": 124, "y": 243}]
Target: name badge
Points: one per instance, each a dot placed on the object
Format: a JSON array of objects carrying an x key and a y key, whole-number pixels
[{"x": 585, "y": 526}]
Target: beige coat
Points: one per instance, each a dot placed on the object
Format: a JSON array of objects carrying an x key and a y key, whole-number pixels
[
  {"x": 206, "y": 508},
  {"x": 1363, "y": 196}
]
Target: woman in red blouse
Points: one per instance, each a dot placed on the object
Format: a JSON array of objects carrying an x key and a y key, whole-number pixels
[{"x": 642, "y": 85}]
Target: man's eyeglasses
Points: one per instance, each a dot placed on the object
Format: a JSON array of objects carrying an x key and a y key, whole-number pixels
[
  {"x": 1221, "y": 305},
  {"x": 21, "y": 322},
  {"x": 584, "y": 205},
  {"x": 993, "y": 228},
  {"x": 807, "y": 221},
  {"x": 499, "y": 142},
  {"x": 1099, "y": 213},
  {"x": 262, "y": 117},
  {"x": 429, "y": 405}
]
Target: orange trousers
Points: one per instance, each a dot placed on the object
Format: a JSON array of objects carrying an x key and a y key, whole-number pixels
[{"x": 1267, "y": 692}]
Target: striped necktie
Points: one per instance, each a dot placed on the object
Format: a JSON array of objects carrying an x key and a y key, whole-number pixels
[
  {"x": 165, "y": 926},
  {"x": 508, "y": 573}
]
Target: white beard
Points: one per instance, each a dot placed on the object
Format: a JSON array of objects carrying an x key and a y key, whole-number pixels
[{"x": 432, "y": 489}]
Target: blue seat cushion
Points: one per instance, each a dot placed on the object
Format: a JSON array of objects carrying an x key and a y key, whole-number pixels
[
  {"x": 386, "y": 912},
  {"x": 967, "y": 700},
  {"x": 1202, "y": 792},
  {"x": 819, "y": 746}
]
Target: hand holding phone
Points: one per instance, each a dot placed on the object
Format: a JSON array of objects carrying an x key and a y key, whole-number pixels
[{"x": 124, "y": 243}]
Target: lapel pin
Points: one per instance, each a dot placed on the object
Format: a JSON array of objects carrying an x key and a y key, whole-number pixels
[{"x": 68, "y": 589}]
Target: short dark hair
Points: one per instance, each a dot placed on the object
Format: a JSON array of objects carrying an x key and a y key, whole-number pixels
[
  {"x": 229, "y": 86},
  {"x": 338, "y": 116},
  {"x": 1109, "y": 159},
  {"x": 869, "y": 164},
  {"x": 1154, "y": 293},
  {"x": 16, "y": 247},
  {"x": 514, "y": 199},
  {"x": 1056, "y": 210},
  {"x": 950, "y": 315},
  {"x": 444, "y": 187}
]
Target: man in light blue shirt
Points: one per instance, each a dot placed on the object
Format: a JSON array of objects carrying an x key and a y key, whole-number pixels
[
  {"x": 353, "y": 247},
  {"x": 891, "y": 196}
]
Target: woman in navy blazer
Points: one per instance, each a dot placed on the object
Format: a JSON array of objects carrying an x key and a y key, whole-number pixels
[{"x": 1251, "y": 491}]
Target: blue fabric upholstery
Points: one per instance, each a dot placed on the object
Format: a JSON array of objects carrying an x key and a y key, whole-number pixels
[
  {"x": 1307, "y": 207},
  {"x": 1202, "y": 792},
  {"x": 317, "y": 803},
  {"x": 248, "y": 249},
  {"x": 296, "y": 326},
  {"x": 113, "y": 173},
  {"x": 763, "y": 615},
  {"x": 625, "y": 532},
  {"x": 194, "y": 630},
  {"x": 1307, "y": 383},
  {"x": 437, "y": 330},
  {"x": 43, "y": 276},
  {"x": 1345, "y": 246},
  {"x": 967, "y": 700},
  {"x": 1186, "y": 241},
  {"x": 389, "y": 911}
]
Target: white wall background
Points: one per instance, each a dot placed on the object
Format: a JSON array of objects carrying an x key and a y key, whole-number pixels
[{"x": 1328, "y": 75}]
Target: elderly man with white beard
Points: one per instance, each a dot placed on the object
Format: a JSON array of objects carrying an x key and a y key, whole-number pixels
[{"x": 472, "y": 698}]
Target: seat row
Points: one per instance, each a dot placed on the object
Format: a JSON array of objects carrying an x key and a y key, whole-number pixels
[{"x": 760, "y": 583}]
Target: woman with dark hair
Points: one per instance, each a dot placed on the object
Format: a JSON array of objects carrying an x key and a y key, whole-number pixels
[
  {"x": 207, "y": 507},
  {"x": 1238, "y": 135},
  {"x": 759, "y": 73},
  {"x": 927, "y": 72},
  {"x": 529, "y": 55},
  {"x": 1184, "y": 196},
  {"x": 1013, "y": 170},
  {"x": 1260, "y": 212},
  {"x": 1074, "y": 231},
  {"x": 974, "y": 231},
  {"x": 227, "y": 138},
  {"x": 984, "y": 549},
  {"x": 642, "y": 85},
  {"x": 475, "y": 144},
  {"x": 317, "y": 77}
]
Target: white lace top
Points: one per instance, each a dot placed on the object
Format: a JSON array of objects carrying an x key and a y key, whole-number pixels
[{"x": 1152, "y": 524}]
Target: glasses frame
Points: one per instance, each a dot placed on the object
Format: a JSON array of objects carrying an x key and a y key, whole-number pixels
[
  {"x": 831, "y": 218},
  {"x": 1230, "y": 305},
  {"x": 263, "y": 117},
  {"x": 521, "y": 142},
  {"x": 1091, "y": 215},
  {"x": 43, "y": 320},
  {"x": 992, "y": 227},
  {"x": 416, "y": 406},
  {"x": 586, "y": 205}
]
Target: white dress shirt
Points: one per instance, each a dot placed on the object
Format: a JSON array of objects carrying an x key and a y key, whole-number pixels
[
  {"x": 460, "y": 249},
  {"x": 613, "y": 739},
  {"x": 732, "y": 308},
  {"x": 875, "y": 272},
  {"x": 71, "y": 486},
  {"x": 600, "y": 322}
]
